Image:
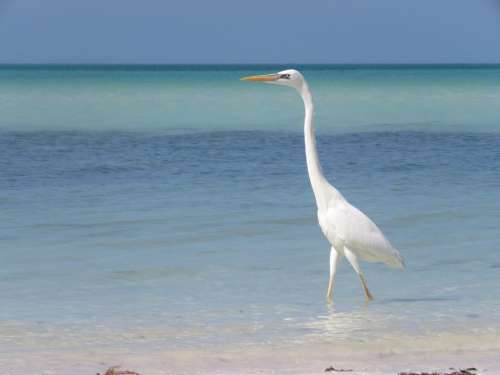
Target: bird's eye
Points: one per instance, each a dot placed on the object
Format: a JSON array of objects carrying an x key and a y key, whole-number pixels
[{"x": 285, "y": 76}]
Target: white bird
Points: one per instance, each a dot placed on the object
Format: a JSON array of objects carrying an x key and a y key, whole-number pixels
[{"x": 350, "y": 232}]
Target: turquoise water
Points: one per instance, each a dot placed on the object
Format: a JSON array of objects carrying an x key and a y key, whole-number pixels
[
  {"x": 170, "y": 208},
  {"x": 212, "y": 98}
]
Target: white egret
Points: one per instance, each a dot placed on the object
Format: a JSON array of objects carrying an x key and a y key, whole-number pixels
[{"x": 350, "y": 232}]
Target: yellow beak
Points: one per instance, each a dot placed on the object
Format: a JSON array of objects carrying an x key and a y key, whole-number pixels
[{"x": 262, "y": 78}]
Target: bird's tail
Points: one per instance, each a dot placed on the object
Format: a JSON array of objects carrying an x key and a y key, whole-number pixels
[{"x": 397, "y": 261}]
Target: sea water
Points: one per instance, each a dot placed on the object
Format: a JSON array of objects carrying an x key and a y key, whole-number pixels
[{"x": 169, "y": 207}]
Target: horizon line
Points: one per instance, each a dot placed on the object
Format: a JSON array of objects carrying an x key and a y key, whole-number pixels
[{"x": 251, "y": 63}]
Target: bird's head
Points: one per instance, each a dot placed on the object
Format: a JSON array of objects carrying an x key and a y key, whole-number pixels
[{"x": 289, "y": 77}]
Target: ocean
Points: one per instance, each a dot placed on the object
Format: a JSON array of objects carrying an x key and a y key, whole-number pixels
[{"x": 162, "y": 215}]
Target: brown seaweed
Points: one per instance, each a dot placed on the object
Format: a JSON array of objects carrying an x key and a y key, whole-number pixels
[
  {"x": 331, "y": 368},
  {"x": 468, "y": 371},
  {"x": 114, "y": 371}
]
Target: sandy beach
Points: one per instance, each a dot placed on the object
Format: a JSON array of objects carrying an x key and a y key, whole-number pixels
[
  {"x": 288, "y": 358},
  {"x": 249, "y": 361}
]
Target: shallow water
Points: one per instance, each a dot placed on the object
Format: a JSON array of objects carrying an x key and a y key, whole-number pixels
[{"x": 199, "y": 230}]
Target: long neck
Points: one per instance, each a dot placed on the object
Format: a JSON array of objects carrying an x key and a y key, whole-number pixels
[{"x": 318, "y": 181}]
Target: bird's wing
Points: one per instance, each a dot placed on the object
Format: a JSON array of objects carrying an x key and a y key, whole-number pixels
[{"x": 360, "y": 234}]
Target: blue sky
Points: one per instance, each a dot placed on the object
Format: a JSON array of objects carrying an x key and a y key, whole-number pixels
[{"x": 258, "y": 31}]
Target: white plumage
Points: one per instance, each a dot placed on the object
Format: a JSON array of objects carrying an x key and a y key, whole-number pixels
[
  {"x": 350, "y": 232},
  {"x": 345, "y": 225}
]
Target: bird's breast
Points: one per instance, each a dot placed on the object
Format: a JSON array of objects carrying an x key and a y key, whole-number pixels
[{"x": 328, "y": 229}]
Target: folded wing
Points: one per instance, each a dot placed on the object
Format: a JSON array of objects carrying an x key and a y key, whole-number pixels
[{"x": 360, "y": 234}]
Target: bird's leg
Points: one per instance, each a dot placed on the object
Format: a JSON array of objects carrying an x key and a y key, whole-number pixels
[
  {"x": 368, "y": 295},
  {"x": 334, "y": 260},
  {"x": 351, "y": 257}
]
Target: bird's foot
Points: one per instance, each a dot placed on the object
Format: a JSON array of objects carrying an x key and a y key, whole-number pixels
[
  {"x": 368, "y": 296},
  {"x": 329, "y": 299}
]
